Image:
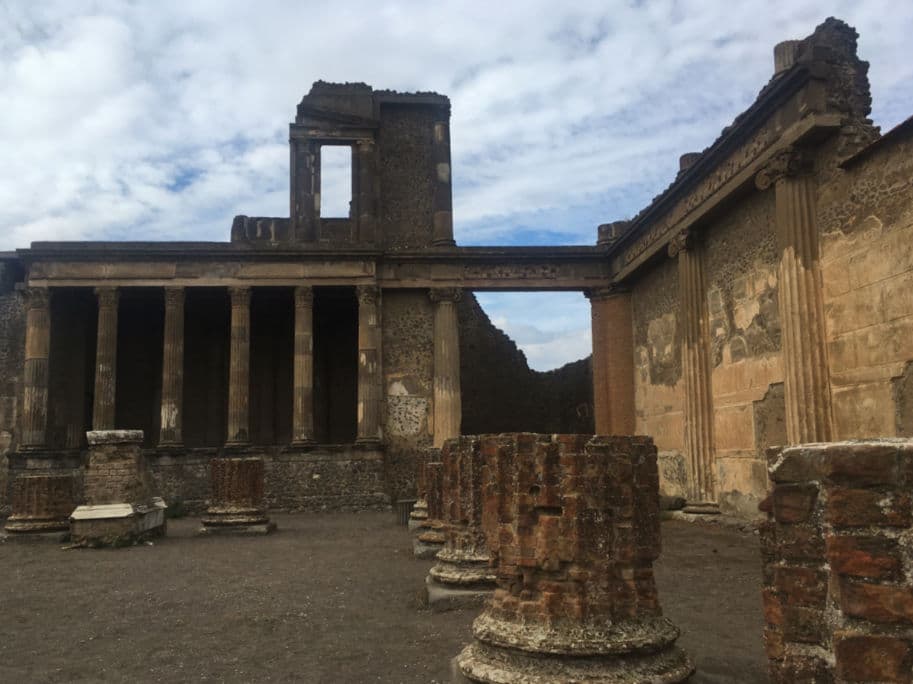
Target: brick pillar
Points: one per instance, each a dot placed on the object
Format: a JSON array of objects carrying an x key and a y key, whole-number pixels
[
  {"x": 35, "y": 371},
  {"x": 237, "y": 497},
  {"x": 698, "y": 413},
  {"x": 573, "y": 524},
  {"x": 463, "y": 562},
  {"x": 369, "y": 375},
  {"x": 105, "y": 359},
  {"x": 367, "y": 204},
  {"x": 809, "y": 414},
  {"x": 430, "y": 534},
  {"x": 303, "y": 409},
  {"x": 613, "y": 361},
  {"x": 442, "y": 231},
  {"x": 172, "y": 369},
  {"x": 837, "y": 581},
  {"x": 239, "y": 373},
  {"x": 448, "y": 409}
]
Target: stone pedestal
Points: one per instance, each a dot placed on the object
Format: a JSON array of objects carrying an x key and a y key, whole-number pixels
[
  {"x": 237, "y": 497},
  {"x": 420, "y": 509},
  {"x": 575, "y": 533},
  {"x": 41, "y": 505},
  {"x": 462, "y": 576},
  {"x": 121, "y": 506},
  {"x": 430, "y": 533}
]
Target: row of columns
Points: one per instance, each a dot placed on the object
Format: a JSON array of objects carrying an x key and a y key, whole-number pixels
[
  {"x": 809, "y": 412},
  {"x": 447, "y": 400}
]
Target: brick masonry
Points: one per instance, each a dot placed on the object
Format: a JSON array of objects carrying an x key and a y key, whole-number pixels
[{"x": 838, "y": 562}]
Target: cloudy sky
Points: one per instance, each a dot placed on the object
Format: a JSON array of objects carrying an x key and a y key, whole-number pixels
[{"x": 161, "y": 120}]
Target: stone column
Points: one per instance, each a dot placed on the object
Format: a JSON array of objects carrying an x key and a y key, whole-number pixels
[
  {"x": 613, "y": 361},
  {"x": 239, "y": 373},
  {"x": 237, "y": 499},
  {"x": 105, "y": 359},
  {"x": 172, "y": 369},
  {"x": 448, "y": 410},
  {"x": 430, "y": 537},
  {"x": 698, "y": 409},
  {"x": 35, "y": 372},
  {"x": 303, "y": 409},
  {"x": 369, "y": 381},
  {"x": 367, "y": 218},
  {"x": 442, "y": 231},
  {"x": 809, "y": 413},
  {"x": 41, "y": 503}
]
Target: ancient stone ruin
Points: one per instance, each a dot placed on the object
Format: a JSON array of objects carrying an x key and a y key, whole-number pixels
[
  {"x": 429, "y": 534},
  {"x": 574, "y": 531},
  {"x": 237, "y": 504}
]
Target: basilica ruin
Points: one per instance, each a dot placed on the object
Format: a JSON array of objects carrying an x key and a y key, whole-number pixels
[{"x": 763, "y": 300}]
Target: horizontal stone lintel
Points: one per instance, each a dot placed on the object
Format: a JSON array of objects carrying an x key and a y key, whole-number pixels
[{"x": 100, "y": 437}]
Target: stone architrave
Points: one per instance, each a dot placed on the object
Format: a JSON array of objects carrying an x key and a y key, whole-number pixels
[
  {"x": 105, "y": 359},
  {"x": 430, "y": 537},
  {"x": 121, "y": 506},
  {"x": 172, "y": 369},
  {"x": 237, "y": 504},
  {"x": 462, "y": 576},
  {"x": 41, "y": 503},
  {"x": 419, "y": 511},
  {"x": 698, "y": 409},
  {"x": 35, "y": 370},
  {"x": 809, "y": 411},
  {"x": 613, "y": 361},
  {"x": 447, "y": 395},
  {"x": 575, "y": 531},
  {"x": 303, "y": 409},
  {"x": 239, "y": 372},
  {"x": 369, "y": 364}
]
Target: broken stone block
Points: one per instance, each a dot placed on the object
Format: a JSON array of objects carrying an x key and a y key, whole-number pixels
[
  {"x": 121, "y": 506},
  {"x": 574, "y": 533},
  {"x": 237, "y": 497},
  {"x": 462, "y": 576}
]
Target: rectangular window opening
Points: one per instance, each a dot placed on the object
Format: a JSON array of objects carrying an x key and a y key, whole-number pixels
[{"x": 335, "y": 181}]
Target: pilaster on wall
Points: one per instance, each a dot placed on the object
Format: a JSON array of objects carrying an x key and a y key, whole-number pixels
[
  {"x": 698, "y": 413},
  {"x": 613, "y": 361},
  {"x": 809, "y": 413}
]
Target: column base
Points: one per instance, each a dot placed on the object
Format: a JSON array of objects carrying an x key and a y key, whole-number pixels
[
  {"x": 303, "y": 444},
  {"x": 443, "y": 597},
  {"x": 702, "y": 508},
  {"x": 236, "y": 520},
  {"x": 368, "y": 442},
  {"x": 170, "y": 446}
]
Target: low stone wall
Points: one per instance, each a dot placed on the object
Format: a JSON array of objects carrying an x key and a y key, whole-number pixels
[{"x": 838, "y": 562}]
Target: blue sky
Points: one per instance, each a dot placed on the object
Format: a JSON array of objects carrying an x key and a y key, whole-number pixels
[{"x": 162, "y": 120}]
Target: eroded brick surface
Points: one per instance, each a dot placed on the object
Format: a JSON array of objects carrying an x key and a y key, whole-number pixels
[
  {"x": 41, "y": 502},
  {"x": 237, "y": 492}
]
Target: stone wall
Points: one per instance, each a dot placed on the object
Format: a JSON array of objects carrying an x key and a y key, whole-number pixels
[
  {"x": 12, "y": 343},
  {"x": 501, "y": 393},
  {"x": 838, "y": 579}
]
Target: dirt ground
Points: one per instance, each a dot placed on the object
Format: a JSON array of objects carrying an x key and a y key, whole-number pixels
[{"x": 328, "y": 598}]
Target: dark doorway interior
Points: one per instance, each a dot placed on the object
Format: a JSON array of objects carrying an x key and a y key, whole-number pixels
[
  {"x": 272, "y": 336},
  {"x": 207, "y": 320},
  {"x": 335, "y": 365}
]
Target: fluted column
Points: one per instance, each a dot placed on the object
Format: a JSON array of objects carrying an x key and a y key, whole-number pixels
[
  {"x": 442, "y": 232},
  {"x": 367, "y": 219},
  {"x": 698, "y": 408},
  {"x": 105, "y": 359},
  {"x": 613, "y": 361},
  {"x": 369, "y": 383},
  {"x": 172, "y": 369},
  {"x": 809, "y": 412},
  {"x": 448, "y": 409},
  {"x": 35, "y": 372},
  {"x": 239, "y": 372},
  {"x": 303, "y": 409}
]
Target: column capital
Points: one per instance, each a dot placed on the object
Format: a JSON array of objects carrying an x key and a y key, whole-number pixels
[
  {"x": 367, "y": 294},
  {"x": 107, "y": 296},
  {"x": 304, "y": 296},
  {"x": 790, "y": 161},
  {"x": 445, "y": 294},
  {"x": 365, "y": 145},
  {"x": 174, "y": 294},
  {"x": 37, "y": 297},
  {"x": 240, "y": 296},
  {"x": 595, "y": 294},
  {"x": 682, "y": 241}
]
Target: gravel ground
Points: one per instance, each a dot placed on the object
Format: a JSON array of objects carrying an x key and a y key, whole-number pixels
[{"x": 328, "y": 598}]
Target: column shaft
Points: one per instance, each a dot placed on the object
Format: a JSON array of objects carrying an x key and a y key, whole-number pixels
[
  {"x": 35, "y": 371},
  {"x": 105, "y": 359},
  {"x": 369, "y": 382},
  {"x": 303, "y": 409},
  {"x": 172, "y": 368},
  {"x": 239, "y": 371},
  {"x": 442, "y": 231},
  {"x": 448, "y": 409},
  {"x": 613, "y": 362},
  {"x": 809, "y": 416}
]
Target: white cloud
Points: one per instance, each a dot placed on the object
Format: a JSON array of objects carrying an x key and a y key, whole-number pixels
[{"x": 163, "y": 120}]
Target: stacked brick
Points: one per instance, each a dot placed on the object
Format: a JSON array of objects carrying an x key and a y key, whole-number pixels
[
  {"x": 838, "y": 562},
  {"x": 237, "y": 496},
  {"x": 463, "y": 562},
  {"x": 41, "y": 503},
  {"x": 573, "y": 528},
  {"x": 429, "y": 538}
]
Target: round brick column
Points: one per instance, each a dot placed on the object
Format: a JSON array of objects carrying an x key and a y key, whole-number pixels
[
  {"x": 41, "y": 503},
  {"x": 237, "y": 496}
]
